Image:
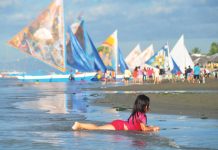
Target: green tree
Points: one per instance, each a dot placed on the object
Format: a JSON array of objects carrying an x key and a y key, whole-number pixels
[
  {"x": 213, "y": 48},
  {"x": 196, "y": 51}
]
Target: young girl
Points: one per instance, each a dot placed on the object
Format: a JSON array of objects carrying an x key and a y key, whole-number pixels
[{"x": 136, "y": 121}]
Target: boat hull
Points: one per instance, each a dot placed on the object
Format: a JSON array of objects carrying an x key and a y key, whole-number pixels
[{"x": 57, "y": 78}]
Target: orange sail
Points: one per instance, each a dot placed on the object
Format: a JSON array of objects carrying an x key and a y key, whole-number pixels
[{"x": 108, "y": 52}]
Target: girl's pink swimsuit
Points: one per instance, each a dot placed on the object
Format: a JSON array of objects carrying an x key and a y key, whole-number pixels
[{"x": 132, "y": 124}]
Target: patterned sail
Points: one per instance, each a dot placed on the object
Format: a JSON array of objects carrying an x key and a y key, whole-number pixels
[
  {"x": 181, "y": 56},
  {"x": 44, "y": 37},
  {"x": 108, "y": 52},
  {"x": 132, "y": 58},
  {"x": 159, "y": 58}
]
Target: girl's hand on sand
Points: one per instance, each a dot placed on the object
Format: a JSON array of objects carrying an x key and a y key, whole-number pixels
[{"x": 155, "y": 129}]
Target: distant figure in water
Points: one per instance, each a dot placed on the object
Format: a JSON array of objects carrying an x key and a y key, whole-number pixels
[{"x": 137, "y": 120}]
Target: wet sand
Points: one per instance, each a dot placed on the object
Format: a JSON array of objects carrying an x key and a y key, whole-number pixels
[{"x": 200, "y": 105}]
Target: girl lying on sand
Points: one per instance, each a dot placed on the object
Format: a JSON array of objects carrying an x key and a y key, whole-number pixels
[{"x": 136, "y": 121}]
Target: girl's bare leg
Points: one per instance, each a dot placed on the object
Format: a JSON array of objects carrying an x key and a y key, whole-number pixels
[{"x": 88, "y": 126}]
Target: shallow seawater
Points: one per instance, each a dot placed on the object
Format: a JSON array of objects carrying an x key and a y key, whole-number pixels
[{"x": 40, "y": 115}]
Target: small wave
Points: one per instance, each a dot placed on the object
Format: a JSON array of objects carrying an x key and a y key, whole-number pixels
[{"x": 157, "y": 92}]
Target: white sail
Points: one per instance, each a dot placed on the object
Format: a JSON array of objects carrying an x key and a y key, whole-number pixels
[
  {"x": 132, "y": 58},
  {"x": 145, "y": 55},
  {"x": 180, "y": 55}
]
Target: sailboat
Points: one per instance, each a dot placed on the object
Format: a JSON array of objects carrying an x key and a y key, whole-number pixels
[
  {"x": 45, "y": 39},
  {"x": 159, "y": 58},
  {"x": 81, "y": 52},
  {"x": 145, "y": 55},
  {"x": 132, "y": 57},
  {"x": 110, "y": 52},
  {"x": 180, "y": 56}
]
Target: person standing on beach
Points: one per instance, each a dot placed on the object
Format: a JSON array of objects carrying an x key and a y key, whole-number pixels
[
  {"x": 157, "y": 75},
  {"x": 144, "y": 74},
  {"x": 137, "y": 120},
  {"x": 135, "y": 75},
  {"x": 197, "y": 71},
  {"x": 150, "y": 73},
  {"x": 189, "y": 74},
  {"x": 140, "y": 75},
  {"x": 186, "y": 73},
  {"x": 107, "y": 76},
  {"x": 127, "y": 75}
]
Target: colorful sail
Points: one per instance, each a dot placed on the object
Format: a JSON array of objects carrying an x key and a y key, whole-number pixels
[
  {"x": 44, "y": 37},
  {"x": 181, "y": 56},
  {"x": 159, "y": 58},
  {"x": 132, "y": 58},
  {"x": 108, "y": 52}
]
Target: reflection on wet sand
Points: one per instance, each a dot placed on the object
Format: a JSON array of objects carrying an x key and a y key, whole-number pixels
[
  {"x": 48, "y": 137},
  {"x": 57, "y": 104},
  {"x": 52, "y": 104},
  {"x": 77, "y": 102}
]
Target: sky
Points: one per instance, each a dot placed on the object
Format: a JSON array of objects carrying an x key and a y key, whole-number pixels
[{"x": 137, "y": 21}]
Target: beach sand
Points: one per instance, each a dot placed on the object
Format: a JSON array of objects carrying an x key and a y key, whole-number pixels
[{"x": 199, "y": 105}]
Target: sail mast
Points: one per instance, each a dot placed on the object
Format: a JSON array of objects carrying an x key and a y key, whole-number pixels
[
  {"x": 64, "y": 39},
  {"x": 116, "y": 51},
  {"x": 168, "y": 56}
]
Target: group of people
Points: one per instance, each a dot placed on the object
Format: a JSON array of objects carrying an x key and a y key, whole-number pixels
[
  {"x": 197, "y": 74},
  {"x": 194, "y": 75},
  {"x": 156, "y": 75},
  {"x": 141, "y": 75},
  {"x": 108, "y": 76}
]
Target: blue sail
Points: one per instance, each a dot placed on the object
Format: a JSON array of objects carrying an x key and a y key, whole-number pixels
[
  {"x": 76, "y": 56},
  {"x": 175, "y": 67},
  {"x": 98, "y": 63},
  {"x": 91, "y": 50},
  {"x": 82, "y": 54},
  {"x": 122, "y": 64}
]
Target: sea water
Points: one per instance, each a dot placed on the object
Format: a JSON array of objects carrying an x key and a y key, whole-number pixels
[{"x": 40, "y": 115}]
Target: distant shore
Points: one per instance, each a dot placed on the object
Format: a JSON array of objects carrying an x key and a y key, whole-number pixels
[{"x": 202, "y": 104}]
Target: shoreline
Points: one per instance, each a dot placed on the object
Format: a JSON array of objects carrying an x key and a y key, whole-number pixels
[{"x": 198, "y": 105}]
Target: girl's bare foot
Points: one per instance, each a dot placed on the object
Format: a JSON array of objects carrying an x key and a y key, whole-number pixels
[{"x": 75, "y": 126}]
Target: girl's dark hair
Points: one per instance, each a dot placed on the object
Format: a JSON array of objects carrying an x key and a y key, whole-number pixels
[{"x": 141, "y": 102}]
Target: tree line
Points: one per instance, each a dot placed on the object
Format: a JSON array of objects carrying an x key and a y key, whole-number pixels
[{"x": 213, "y": 49}]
